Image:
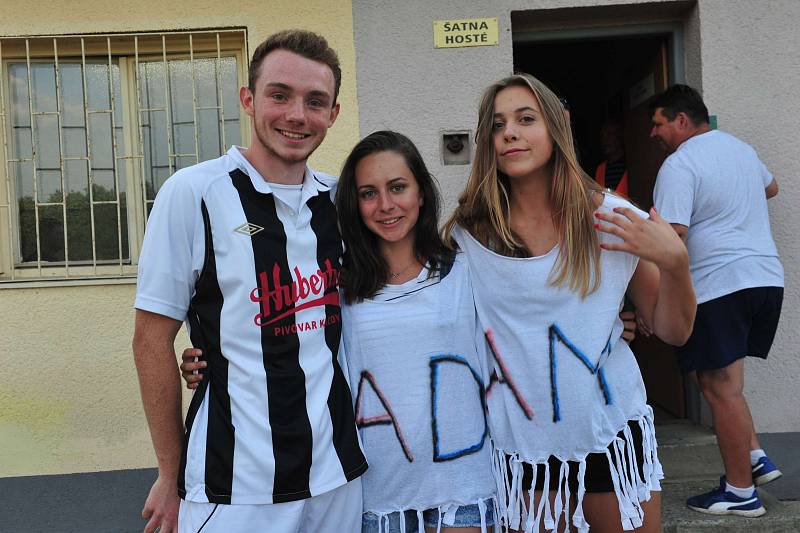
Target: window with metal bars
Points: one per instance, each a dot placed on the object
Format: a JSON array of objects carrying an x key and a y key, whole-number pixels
[{"x": 92, "y": 126}]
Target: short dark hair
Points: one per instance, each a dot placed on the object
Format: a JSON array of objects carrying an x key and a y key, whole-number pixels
[
  {"x": 301, "y": 42},
  {"x": 680, "y": 98},
  {"x": 364, "y": 270}
]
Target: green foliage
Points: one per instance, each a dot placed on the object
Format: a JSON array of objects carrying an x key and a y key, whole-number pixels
[{"x": 79, "y": 232}]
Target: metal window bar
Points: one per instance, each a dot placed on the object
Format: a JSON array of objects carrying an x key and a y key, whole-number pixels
[
  {"x": 150, "y": 141},
  {"x": 218, "y": 79},
  {"x": 62, "y": 165},
  {"x": 6, "y": 154},
  {"x": 167, "y": 106},
  {"x": 114, "y": 154},
  {"x": 88, "y": 154},
  {"x": 151, "y": 175},
  {"x": 137, "y": 150},
  {"x": 33, "y": 158},
  {"x": 194, "y": 100}
]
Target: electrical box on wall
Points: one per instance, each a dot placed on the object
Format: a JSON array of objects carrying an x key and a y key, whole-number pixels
[{"x": 455, "y": 148}]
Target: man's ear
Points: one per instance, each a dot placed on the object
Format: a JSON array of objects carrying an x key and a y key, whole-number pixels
[
  {"x": 684, "y": 121},
  {"x": 246, "y": 99},
  {"x": 334, "y": 113}
]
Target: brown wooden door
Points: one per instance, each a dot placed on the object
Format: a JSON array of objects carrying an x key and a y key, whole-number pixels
[{"x": 657, "y": 361}]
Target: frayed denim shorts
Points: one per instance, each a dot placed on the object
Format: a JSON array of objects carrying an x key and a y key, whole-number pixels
[{"x": 466, "y": 516}]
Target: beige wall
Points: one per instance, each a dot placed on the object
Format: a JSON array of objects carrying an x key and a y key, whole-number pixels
[{"x": 69, "y": 399}]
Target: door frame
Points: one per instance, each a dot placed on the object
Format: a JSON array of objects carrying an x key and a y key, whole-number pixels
[{"x": 674, "y": 30}]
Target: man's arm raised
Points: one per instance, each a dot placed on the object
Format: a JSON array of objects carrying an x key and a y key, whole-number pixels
[{"x": 159, "y": 382}]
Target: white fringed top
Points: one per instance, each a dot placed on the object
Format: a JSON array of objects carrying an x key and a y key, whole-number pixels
[{"x": 566, "y": 383}]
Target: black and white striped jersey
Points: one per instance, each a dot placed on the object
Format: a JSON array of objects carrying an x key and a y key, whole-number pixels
[{"x": 256, "y": 282}]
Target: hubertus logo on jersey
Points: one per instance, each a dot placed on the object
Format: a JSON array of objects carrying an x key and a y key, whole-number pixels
[{"x": 279, "y": 300}]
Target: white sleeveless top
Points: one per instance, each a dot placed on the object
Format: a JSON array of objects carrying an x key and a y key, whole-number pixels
[
  {"x": 565, "y": 382},
  {"x": 418, "y": 382}
]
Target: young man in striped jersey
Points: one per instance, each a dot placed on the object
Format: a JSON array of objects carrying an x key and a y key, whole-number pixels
[{"x": 246, "y": 249}]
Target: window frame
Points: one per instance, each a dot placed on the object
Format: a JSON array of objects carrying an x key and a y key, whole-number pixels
[{"x": 13, "y": 272}]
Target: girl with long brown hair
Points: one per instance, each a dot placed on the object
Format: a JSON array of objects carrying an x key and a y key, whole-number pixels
[{"x": 551, "y": 256}]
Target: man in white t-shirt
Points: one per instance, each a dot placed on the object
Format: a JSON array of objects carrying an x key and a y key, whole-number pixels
[
  {"x": 246, "y": 249},
  {"x": 713, "y": 189}
]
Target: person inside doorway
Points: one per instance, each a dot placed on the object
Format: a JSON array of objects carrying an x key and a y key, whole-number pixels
[{"x": 612, "y": 173}]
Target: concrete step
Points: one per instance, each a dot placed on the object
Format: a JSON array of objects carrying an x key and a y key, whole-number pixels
[{"x": 692, "y": 465}]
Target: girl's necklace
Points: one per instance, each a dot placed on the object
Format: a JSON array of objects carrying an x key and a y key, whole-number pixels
[{"x": 395, "y": 275}]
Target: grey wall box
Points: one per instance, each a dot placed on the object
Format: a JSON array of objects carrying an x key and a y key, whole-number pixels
[{"x": 455, "y": 148}]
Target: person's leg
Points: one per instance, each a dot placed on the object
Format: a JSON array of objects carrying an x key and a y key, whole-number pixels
[
  {"x": 537, "y": 498},
  {"x": 754, "y": 444},
  {"x": 601, "y": 510},
  {"x": 723, "y": 389},
  {"x": 554, "y": 465},
  {"x": 334, "y": 511},
  {"x": 766, "y": 303},
  {"x": 600, "y": 503}
]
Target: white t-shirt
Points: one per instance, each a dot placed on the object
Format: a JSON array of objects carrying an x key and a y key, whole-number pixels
[
  {"x": 566, "y": 381},
  {"x": 291, "y": 195},
  {"x": 714, "y": 184},
  {"x": 417, "y": 375}
]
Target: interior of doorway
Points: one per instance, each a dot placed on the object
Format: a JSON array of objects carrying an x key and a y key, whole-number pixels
[{"x": 604, "y": 79}]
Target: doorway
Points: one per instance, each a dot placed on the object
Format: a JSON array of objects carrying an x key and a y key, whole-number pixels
[{"x": 607, "y": 79}]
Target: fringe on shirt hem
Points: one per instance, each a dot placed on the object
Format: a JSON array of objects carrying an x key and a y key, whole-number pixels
[
  {"x": 631, "y": 486},
  {"x": 447, "y": 516}
]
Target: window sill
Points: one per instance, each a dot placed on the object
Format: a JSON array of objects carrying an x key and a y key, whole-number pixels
[{"x": 39, "y": 283}]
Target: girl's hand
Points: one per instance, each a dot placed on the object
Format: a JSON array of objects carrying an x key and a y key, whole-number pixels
[
  {"x": 651, "y": 239},
  {"x": 191, "y": 366},
  {"x": 643, "y": 326}
]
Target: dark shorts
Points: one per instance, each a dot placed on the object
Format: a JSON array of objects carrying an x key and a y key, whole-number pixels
[
  {"x": 598, "y": 473},
  {"x": 731, "y": 327}
]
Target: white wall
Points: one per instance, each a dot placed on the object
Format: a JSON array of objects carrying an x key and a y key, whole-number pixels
[{"x": 742, "y": 54}]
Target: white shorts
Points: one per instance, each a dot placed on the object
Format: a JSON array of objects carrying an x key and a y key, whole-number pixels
[{"x": 336, "y": 511}]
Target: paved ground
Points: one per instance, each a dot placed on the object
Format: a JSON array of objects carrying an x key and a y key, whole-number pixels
[
  {"x": 689, "y": 452},
  {"x": 784, "y": 449},
  {"x": 110, "y": 502},
  {"x": 692, "y": 465},
  {"x": 102, "y": 502}
]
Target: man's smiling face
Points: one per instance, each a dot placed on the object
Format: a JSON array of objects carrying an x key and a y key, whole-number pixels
[{"x": 292, "y": 106}]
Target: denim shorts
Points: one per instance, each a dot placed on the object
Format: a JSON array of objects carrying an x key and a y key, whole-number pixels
[{"x": 466, "y": 516}]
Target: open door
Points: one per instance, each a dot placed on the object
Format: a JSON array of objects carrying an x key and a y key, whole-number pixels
[
  {"x": 657, "y": 360},
  {"x": 643, "y": 156}
]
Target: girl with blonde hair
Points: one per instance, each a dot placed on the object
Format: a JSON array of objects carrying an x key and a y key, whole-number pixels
[{"x": 551, "y": 256}]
